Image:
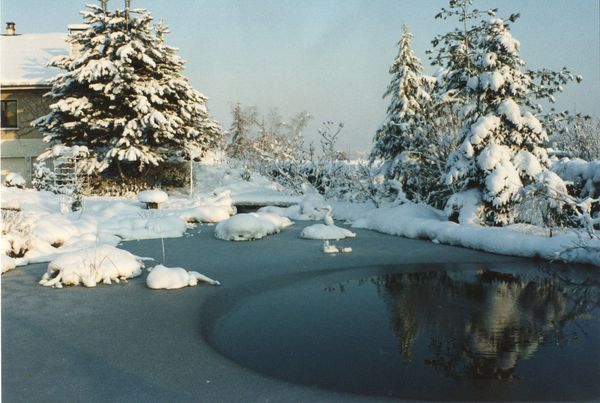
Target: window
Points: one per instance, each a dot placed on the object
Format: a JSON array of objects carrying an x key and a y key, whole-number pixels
[{"x": 9, "y": 114}]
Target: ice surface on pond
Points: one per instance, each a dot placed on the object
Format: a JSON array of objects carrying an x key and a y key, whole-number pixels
[
  {"x": 88, "y": 267},
  {"x": 170, "y": 278},
  {"x": 250, "y": 226}
]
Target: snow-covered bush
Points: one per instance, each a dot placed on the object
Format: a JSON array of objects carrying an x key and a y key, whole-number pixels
[
  {"x": 101, "y": 264},
  {"x": 43, "y": 178},
  {"x": 582, "y": 177},
  {"x": 16, "y": 231},
  {"x": 13, "y": 179},
  {"x": 139, "y": 109}
]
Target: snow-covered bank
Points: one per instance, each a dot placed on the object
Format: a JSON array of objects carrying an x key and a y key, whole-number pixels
[
  {"x": 34, "y": 229},
  {"x": 422, "y": 222}
]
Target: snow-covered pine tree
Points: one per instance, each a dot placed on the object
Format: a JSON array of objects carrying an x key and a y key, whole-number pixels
[
  {"x": 502, "y": 146},
  {"x": 402, "y": 139},
  {"x": 123, "y": 95},
  {"x": 453, "y": 53}
]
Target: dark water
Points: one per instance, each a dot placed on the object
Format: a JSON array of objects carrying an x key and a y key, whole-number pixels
[{"x": 444, "y": 333}]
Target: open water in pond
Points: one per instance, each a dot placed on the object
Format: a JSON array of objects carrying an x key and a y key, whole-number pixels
[{"x": 457, "y": 332}]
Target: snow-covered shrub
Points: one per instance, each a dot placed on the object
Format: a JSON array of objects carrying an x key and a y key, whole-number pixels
[
  {"x": 16, "y": 231},
  {"x": 582, "y": 177},
  {"x": 13, "y": 179},
  {"x": 250, "y": 226},
  {"x": 578, "y": 139},
  {"x": 546, "y": 203},
  {"x": 101, "y": 264},
  {"x": 43, "y": 178},
  {"x": 171, "y": 278}
]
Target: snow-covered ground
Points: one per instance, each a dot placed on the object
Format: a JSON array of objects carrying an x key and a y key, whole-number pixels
[{"x": 35, "y": 230}]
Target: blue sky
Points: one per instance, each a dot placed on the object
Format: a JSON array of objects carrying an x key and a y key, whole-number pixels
[{"x": 331, "y": 57}]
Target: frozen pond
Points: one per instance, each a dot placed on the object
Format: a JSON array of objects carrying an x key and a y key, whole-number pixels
[{"x": 442, "y": 332}]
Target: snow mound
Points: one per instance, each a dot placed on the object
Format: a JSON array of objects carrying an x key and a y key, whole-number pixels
[
  {"x": 465, "y": 207},
  {"x": 102, "y": 264},
  {"x": 145, "y": 227},
  {"x": 323, "y": 231},
  {"x": 13, "y": 179},
  {"x": 246, "y": 227},
  {"x": 311, "y": 208},
  {"x": 8, "y": 263},
  {"x": 152, "y": 196},
  {"x": 211, "y": 210},
  {"x": 171, "y": 278}
]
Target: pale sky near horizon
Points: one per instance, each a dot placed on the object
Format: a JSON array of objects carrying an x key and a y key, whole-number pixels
[{"x": 331, "y": 57}]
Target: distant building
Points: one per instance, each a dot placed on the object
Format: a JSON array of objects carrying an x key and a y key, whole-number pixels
[{"x": 24, "y": 76}]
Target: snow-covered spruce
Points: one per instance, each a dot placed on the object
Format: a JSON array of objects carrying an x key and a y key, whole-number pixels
[
  {"x": 171, "y": 278},
  {"x": 251, "y": 226},
  {"x": 502, "y": 150},
  {"x": 402, "y": 141},
  {"x": 88, "y": 267},
  {"x": 124, "y": 96}
]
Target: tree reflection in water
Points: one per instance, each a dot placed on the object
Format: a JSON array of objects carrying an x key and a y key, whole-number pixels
[{"x": 481, "y": 324}]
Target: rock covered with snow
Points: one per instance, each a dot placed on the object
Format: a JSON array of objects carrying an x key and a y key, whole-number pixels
[
  {"x": 171, "y": 278},
  {"x": 250, "y": 226},
  {"x": 323, "y": 231},
  {"x": 327, "y": 230},
  {"x": 152, "y": 196},
  {"x": 13, "y": 179},
  {"x": 88, "y": 267}
]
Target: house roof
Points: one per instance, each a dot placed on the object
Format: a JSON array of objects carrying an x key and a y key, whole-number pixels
[{"x": 24, "y": 58}]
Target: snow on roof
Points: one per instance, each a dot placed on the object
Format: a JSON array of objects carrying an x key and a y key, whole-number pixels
[{"x": 24, "y": 58}]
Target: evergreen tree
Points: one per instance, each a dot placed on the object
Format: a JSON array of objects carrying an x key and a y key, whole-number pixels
[
  {"x": 502, "y": 148},
  {"x": 123, "y": 95},
  {"x": 401, "y": 140}
]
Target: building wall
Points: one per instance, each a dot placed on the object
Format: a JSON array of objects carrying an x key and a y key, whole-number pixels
[{"x": 20, "y": 147}]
